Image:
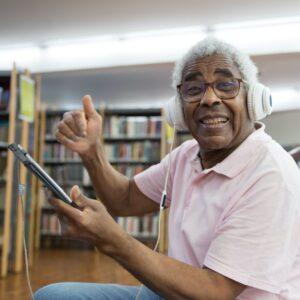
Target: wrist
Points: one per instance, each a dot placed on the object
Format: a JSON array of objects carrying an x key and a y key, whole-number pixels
[
  {"x": 95, "y": 151},
  {"x": 120, "y": 247}
]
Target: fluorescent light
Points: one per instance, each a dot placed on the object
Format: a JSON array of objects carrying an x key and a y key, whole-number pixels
[
  {"x": 97, "y": 52},
  {"x": 263, "y": 36},
  {"x": 255, "y": 37},
  {"x": 26, "y": 56}
]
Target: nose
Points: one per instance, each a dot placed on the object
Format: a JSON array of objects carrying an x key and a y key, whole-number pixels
[{"x": 210, "y": 98}]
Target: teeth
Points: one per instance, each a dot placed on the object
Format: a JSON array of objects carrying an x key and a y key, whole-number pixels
[{"x": 214, "y": 121}]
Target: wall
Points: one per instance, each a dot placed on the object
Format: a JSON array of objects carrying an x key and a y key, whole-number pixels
[{"x": 284, "y": 127}]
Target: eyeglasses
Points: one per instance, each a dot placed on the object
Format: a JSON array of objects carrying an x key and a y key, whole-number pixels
[{"x": 193, "y": 91}]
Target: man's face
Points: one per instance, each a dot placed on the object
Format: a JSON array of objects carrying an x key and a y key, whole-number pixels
[{"x": 215, "y": 123}]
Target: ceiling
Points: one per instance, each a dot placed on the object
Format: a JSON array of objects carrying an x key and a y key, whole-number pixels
[{"x": 36, "y": 21}]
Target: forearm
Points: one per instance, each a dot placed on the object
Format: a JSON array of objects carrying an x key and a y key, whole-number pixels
[
  {"x": 110, "y": 186},
  {"x": 170, "y": 278}
]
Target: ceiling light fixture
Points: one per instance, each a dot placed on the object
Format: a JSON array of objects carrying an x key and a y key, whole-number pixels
[{"x": 255, "y": 37}]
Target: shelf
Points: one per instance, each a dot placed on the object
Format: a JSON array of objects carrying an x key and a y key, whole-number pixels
[
  {"x": 51, "y": 235},
  {"x": 4, "y": 114},
  {"x": 72, "y": 183},
  {"x": 60, "y": 112},
  {"x": 3, "y": 146},
  {"x": 119, "y": 161},
  {"x": 5, "y": 75},
  {"x": 61, "y": 162},
  {"x": 134, "y": 138},
  {"x": 88, "y": 186},
  {"x": 48, "y": 210},
  {"x": 50, "y": 113},
  {"x": 116, "y": 139},
  {"x": 49, "y": 240},
  {"x": 134, "y": 162},
  {"x": 50, "y": 139},
  {"x": 133, "y": 112},
  {"x": 141, "y": 238}
]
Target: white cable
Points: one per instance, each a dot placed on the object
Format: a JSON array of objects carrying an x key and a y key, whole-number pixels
[
  {"x": 169, "y": 162},
  {"x": 155, "y": 248},
  {"x": 21, "y": 190},
  {"x": 162, "y": 203}
]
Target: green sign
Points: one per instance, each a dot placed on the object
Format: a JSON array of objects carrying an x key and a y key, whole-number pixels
[{"x": 26, "y": 98}]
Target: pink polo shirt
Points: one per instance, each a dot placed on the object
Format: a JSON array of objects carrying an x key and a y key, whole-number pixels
[{"x": 240, "y": 218}]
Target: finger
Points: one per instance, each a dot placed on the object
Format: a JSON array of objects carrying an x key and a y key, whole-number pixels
[
  {"x": 80, "y": 122},
  {"x": 78, "y": 197},
  {"x": 64, "y": 140},
  {"x": 81, "y": 200},
  {"x": 64, "y": 129},
  {"x": 63, "y": 221},
  {"x": 88, "y": 107},
  {"x": 67, "y": 210},
  {"x": 69, "y": 120}
]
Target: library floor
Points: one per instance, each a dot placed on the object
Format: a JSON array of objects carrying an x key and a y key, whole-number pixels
[{"x": 64, "y": 265}]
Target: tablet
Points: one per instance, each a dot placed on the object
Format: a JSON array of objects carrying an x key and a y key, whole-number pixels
[{"x": 34, "y": 167}]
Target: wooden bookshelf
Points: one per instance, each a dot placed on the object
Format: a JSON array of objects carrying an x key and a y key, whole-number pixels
[
  {"x": 13, "y": 218},
  {"x": 133, "y": 143},
  {"x": 47, "y": 233},
  {"x": 10, "y": 82}
]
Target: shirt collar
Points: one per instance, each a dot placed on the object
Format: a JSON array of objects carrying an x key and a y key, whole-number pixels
[{"x": 234, "y": 163}]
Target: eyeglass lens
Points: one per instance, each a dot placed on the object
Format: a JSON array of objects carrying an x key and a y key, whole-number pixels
[{"x": 224, "y": 89}]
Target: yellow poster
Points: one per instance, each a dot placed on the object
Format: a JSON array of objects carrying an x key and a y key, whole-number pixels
[{"x": 26, "y": 98}]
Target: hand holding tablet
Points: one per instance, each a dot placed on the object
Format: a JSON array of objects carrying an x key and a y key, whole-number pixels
[{"x": 35, "y": 168}]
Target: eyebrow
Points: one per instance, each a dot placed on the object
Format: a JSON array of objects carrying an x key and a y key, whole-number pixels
[
  {"x": 192, "y": 76},
  {"x": 225, "y": 72}
]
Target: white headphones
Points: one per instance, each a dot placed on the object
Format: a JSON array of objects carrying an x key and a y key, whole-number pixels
[{"x": 259, "y": 103}]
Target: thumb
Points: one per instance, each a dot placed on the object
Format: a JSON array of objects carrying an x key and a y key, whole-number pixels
[
  {"x": 88, "y": 106},
  {"x": 78, "y": 197}
]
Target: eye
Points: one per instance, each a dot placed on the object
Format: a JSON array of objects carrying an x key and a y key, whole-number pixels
[
  {"x": 195, "y": 90},
  {"x": 226, "y": 85}
]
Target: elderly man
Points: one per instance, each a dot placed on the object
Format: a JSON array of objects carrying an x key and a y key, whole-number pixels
[{"x": 233, "y": 193}]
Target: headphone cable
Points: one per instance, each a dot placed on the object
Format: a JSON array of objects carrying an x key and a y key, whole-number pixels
[
  {"x": 21, "y": 191},
  {"x": 162, "y": 205}
]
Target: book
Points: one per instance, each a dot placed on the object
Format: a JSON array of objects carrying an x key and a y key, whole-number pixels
[{"x": 132, "y": 126}]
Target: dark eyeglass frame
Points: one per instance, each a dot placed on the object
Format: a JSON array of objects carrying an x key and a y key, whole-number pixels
[{"x": 211, "y": 84}]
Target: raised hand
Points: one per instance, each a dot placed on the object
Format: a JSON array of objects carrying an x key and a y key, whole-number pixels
[{"x": 80, "y": 130}]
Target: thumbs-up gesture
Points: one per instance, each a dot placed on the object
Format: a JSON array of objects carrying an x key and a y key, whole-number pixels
[{"x": 81, "y": 130}]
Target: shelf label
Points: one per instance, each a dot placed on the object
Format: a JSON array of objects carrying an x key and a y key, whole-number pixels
[{"x": 26, "y": 98}]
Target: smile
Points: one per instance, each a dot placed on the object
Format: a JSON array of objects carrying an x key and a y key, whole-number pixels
[{"x": 214, "y": 122}]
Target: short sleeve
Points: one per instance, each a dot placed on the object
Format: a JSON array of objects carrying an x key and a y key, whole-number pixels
[
  {"x": 257, "y": 240},
  {"x": 151, "y": 181}
]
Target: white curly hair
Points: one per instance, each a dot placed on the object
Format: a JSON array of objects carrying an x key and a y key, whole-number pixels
[{"x": 210, "y": 46}]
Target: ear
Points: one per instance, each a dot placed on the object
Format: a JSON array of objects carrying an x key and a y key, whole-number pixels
[
  {"x": 180, "y": 113},
  {"x": 174, "y": 113}
]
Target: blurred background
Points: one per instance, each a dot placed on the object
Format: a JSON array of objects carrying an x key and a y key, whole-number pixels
[{"x": 122, "y": 53}]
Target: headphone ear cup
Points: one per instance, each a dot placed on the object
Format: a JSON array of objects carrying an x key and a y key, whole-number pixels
[
  {"x": 174, "y": 114},
  {"x": 267, "y": 101},
  {"x": 259, "y": 101}
]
